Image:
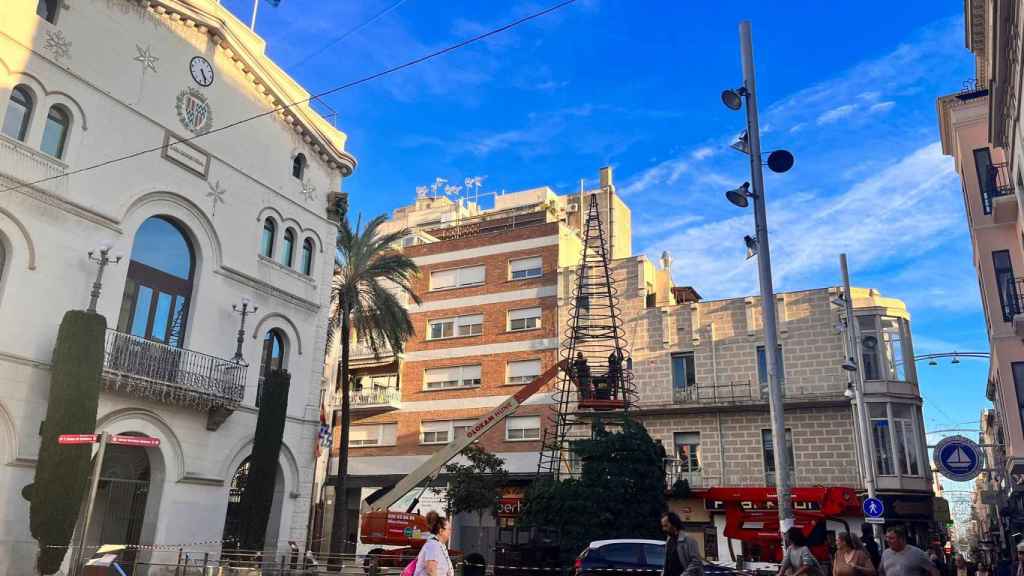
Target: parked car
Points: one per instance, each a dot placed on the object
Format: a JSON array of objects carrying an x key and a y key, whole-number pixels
[{"x": 607, "y": 557}]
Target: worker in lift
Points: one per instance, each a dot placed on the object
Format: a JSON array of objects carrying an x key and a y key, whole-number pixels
[
  {"x": 581, "y": 370},
  {"x": 615, "y": 372}
]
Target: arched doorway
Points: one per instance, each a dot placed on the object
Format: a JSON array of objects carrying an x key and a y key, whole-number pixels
[
  {"x": 233, "y": 517},
  {"x": 159, "y": 285},
  {"x": 120, "y": 508}
]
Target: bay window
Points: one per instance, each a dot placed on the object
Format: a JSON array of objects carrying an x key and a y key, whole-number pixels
[
  {"x": 895, "y": 438},
  {"x": 884, "y": 347}
]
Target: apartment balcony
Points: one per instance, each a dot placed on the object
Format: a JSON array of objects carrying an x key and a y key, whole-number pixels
[
  {"x": 22, "y": 165},
  {"x": 372, "y": 401},
  {"x": 177, "y": 376},
  {"x": 728, "y": 393},
  {"x": 677, "y": 470},
  {"x": 1013, "y": 305},
  {"x": 360, "y": 355},
  {"x": 997, "y": 194}
]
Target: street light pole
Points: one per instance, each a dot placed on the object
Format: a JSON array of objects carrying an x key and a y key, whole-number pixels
[
  {"x": 764, "y": 269},
  {"x": 857, "y": 379}
]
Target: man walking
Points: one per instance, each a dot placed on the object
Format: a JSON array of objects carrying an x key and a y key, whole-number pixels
[
  {"x": 902, "y": 559},
  {"x": 682, "y": 557}
]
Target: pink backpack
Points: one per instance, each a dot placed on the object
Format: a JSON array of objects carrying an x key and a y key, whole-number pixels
[{"x": 410, "y": 569}]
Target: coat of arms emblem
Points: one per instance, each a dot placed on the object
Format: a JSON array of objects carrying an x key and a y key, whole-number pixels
[{"x": 194, "y": 111}]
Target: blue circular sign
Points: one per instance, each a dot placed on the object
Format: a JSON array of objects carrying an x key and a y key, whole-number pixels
[
  {"x": 873, "y": 508},
  {"x": 958, "y": 458}
]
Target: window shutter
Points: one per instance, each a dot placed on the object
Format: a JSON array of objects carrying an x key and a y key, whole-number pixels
[
  {"x": 524, "y": 313},
  {"x": 471, "y": 275},
  {"x": 443, "y": 279},
  {"x": 521, "y": 368}
]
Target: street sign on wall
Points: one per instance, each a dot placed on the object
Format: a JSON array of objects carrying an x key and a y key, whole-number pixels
[
  {"x": 72, "y": 439},
  {"x": 958, "y": 458},
  {"x": 142, "y": 441}
]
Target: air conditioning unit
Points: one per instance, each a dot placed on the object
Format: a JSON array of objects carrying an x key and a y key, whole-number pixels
[{"x": 572, "y": 207}]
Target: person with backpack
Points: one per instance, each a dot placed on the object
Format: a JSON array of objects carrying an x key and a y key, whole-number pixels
[
  {"x": 682, "y": 557},
  {"x": 433, "y": 559},
  {"x": 798, "y": 560}
]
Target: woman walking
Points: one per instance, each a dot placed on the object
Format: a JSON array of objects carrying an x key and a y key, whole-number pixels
[
  {"x": 798, "y": 560},
  {"x": 851, "y": 558},
  {"x": 433, "y": 558}
]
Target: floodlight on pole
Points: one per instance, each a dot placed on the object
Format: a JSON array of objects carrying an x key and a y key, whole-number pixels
[
  {"x": 849, "y": 365},
  {"x": 739, "y": 195},
  {"x": 742, "y": 143},
  {"x": 733, "y": 98},
  {"x": 751, "y": 243},
  {"x": 780, "y": 161}
]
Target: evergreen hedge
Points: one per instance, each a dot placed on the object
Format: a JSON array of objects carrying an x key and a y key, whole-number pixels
[
  {"x": 258, "y": 497},
  {"x": 62, "y": 472}
]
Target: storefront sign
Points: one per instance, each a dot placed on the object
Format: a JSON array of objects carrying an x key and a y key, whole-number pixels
[{"x": 509, "y": 507}]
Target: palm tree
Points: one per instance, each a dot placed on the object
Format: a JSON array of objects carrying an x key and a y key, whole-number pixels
[{"x": 366, "y": 266}]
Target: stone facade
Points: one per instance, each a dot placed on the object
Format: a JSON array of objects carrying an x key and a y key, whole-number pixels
[{"x": 118, "y": 73}]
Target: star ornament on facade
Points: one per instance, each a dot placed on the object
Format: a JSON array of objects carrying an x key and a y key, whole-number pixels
[
  {"x": 58, "y": 45},
  {"x": 146, "y": 58},
  {"x": 216, "y": 194},
  {"x": 308, "y": 190}
]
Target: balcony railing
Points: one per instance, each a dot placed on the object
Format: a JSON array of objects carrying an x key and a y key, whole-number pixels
[
  {"x": 163, "y": 373},
  {"x": 23, "y": 164},
  {"x": 1012, "y": 295},
  {"x": 676, "y": 470},
  {"x": 995, "y": 183},
  {"x": 363, "y": 351},
  {"x": 742, "y": 391},
  {"x": 376, "y": 397}
]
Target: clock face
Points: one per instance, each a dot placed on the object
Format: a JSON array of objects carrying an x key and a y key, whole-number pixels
[{"x": 202, "y": 71}]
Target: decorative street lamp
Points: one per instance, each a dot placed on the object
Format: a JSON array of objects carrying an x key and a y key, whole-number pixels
[
  {"x": 101, "y": 260},
  {"x": 243, "y": 311}
]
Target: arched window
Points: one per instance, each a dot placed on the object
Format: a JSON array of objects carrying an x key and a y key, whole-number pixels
[
  {"x": 159, "y": 287},
  {"x": 288, "y": 248},
  {"x": 271, "y": 359},
  {"x": 19, "y": 110},
  {"x": 299, "y": 165},
  {"x": 56, "y": 132},
  {"x": 267, "y": 239},
  {"x": 306, "y": 265}
]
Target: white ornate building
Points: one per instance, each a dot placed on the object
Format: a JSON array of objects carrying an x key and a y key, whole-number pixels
[{"x": 233, "y": 214}]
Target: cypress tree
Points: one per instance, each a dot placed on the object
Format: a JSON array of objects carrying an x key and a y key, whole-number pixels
[
  {"x": 62, "y": 472},
  {"x": 258, "y": 497}
]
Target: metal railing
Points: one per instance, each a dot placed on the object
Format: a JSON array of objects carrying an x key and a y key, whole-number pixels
[
  {"x": 1012, "y": 294},
  {"x": 376, "y": 397},
  {"x": 170, "y": 375},
  {"x": 361, "y": 350},
  {"x": 995, "y": 183},
  {"x": 742, "y": 391},
  {"x": 678, "y": 469},
  {"x": 511, "y": 219}
]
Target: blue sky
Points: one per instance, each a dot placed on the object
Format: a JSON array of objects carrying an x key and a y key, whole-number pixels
[{"x": 848, "y": 87}]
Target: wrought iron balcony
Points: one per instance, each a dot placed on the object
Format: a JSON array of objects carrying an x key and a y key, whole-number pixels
[
  {"x": 676, "y": 470},
  {"x": 732, "y": 392},
  {"x": 170, "y": 375},
  {"x": 997, "y": 183},
  {"x": 360, "y": 354},
  {"x": 376, "y": 399}
]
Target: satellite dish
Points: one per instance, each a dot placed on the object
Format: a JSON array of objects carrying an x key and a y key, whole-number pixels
[{"x": 780, "y": 161}]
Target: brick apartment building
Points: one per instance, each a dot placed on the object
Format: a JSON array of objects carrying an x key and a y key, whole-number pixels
[
  {"x": 488, "y": 323},
  {"x": 700, "y": 372}
]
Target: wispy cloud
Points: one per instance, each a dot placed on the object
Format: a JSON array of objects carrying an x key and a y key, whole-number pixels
[
  {"x": 836, "y": 114},
  {"x": 882, "y": 106},
  {"x": 878, "y": 218}
]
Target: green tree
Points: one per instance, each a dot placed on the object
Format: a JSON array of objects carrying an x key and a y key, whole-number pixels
[
  {"x": 368, "y": 269},
  {"x": 620, "y": 492},
  {"x": 475, "y": 487},
  {"x": 62, "y": 472},
  {"x": 258, "y": 496}
]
